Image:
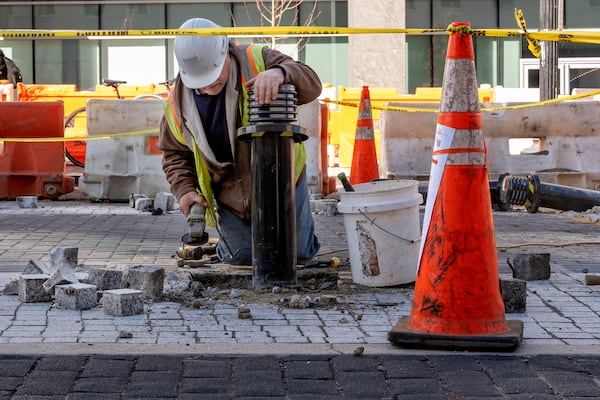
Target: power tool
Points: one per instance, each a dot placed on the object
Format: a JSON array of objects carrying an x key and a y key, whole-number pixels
[{"x": 192, "y": 242}]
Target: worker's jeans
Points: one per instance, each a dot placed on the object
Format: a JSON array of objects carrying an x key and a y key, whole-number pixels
[{"x": 237, "y": 233}]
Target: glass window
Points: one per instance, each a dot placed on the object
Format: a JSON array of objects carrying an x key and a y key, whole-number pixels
[
  {"x": 418, "y": 47},
  {"x": 178, "y": 13},
  {"x": 531, "y": 13},
  {"x": 135, "y": 61},
  {"x": 479, "y": 13},
  {"x": 328, "y": 56},
  {"x": 508, "y": 73},
  {"x": 70, "y": 61},
  {"x": 248, "y": 14},
  {"x": 20, "y": 51},
  {"x": 418, "y": 14},
  {"x": 133, "y": 16},
  {"x": 584, "y": 77},
  {"x": 582, "y": 14}
]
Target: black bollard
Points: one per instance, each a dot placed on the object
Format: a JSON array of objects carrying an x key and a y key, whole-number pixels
[
  {"x": 273, "y": 216},
  {"x": 533, "y": 194}
]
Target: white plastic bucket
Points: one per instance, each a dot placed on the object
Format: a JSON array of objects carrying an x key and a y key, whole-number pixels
[{"x": 383, "y": 231}]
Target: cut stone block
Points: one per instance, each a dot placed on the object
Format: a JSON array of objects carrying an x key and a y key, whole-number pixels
[
  {"x": 64, "y": 256},
  {"x": 11, "y": 288},
  {"x": 531, "y": 266},
  {"x": 133, "y": 197},
  {"x": 147, "y": 278},
  {"x": 326, "y": 207},
  {"x": 83, "y": 277},
  {"x": 106, "y": 279},
  {"x": 514, "y": 295},
  {"x": 76, "y": 296},
  {"x": 165, "y": 201},
  {"x": 60, "y": 276},
  {"x": 123, "y": 302},
  {"x": 36, "y": 267},
  {"x": 31, "y": 288},
  {"x": 144, "y": 204}
]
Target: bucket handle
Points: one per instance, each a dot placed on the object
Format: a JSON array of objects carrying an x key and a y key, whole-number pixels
[{"x": 386, "y": 231}]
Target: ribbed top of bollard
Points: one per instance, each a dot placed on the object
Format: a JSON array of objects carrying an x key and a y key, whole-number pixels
[{"x": 282, "y": 109}]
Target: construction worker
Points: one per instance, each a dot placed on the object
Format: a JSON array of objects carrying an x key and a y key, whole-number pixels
[
  {"x": 202, "y": 158},
  {"x": 9, "y": 70}
]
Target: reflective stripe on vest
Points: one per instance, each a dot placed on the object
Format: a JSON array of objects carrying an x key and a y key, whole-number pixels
[
  {"x": 201, "y": 169},
  {"x": 252, "y": 64},
  {"x": 172, "y": 121}
]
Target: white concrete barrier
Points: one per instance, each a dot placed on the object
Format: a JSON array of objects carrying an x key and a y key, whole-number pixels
[
  {"x": 309, "y": 117},
  {"x": 118, "y": 167},
  {"x": 565, "y": 137}
]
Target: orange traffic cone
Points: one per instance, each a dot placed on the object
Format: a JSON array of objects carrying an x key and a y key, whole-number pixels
[
  {"x": 364, "y": 158},
  {"x": 457, "y": 301}
]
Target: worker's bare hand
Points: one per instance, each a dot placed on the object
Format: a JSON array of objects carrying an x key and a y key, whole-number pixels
[
  {"x": 266, "y": 85},
  {"x": 187, "y": 200}
]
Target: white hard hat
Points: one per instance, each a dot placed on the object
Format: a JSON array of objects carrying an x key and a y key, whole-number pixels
[{"x": 200, "y": 58}]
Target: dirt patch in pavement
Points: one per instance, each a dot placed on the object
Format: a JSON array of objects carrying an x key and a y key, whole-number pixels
[{"x": 317, "y": 287}]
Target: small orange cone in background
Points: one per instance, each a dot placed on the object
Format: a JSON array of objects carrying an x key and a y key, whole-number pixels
[
  {"x": 457, "y": 302},
  {"x": 364, "y": 158}
]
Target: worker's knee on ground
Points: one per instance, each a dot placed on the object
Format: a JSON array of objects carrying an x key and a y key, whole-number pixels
[
  {"x": 308, "y": 249},
  {"x": 242, "y": 256}
]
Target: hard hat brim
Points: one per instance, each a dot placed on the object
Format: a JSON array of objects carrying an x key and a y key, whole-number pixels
[{"x": 195, "y": 77}]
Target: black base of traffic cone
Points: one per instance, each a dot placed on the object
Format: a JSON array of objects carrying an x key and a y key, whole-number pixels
[{"x": 401, "y": 335}]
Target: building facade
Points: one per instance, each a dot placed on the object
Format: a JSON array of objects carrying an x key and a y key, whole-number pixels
[
  {"x": 150, "y": 60},
  {"x": 501, "y": 61},
  {"x": 386, "y": 60}
]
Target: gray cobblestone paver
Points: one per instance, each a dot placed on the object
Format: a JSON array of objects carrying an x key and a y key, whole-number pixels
[
  {"x": 562, "y": 314},
  {"x": 294, "y": 376},
  {"x": 559, "y": 311}
]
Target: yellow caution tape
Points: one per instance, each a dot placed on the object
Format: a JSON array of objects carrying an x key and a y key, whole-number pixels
[
  {"x": 330, "y": 101},
  {"x": 484, "y": 109},
  {"x": 533, "y": 38},
  {"x": 533, "y": 44},
  {"x": 377, "y": 107},
  {"x": 541, "y": 103},
  {"x": 83, "y": 138},
  {"x": 237, "y": 31},
  {"x": 327, "y": 101}
]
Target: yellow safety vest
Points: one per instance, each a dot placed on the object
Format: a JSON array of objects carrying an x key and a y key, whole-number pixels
[{"x": 252, "y": 63}]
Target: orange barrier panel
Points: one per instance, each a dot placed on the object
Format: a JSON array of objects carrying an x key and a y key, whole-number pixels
[
  {"x": 75, "y": 100},
  {"x": 342, "y": 120},
  {"x": 32, "y": 169}
]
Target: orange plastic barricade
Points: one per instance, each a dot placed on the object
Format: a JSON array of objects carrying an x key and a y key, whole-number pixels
[
  {"x": 75, "y": 101},
  {"x": 32, "y": 168}
]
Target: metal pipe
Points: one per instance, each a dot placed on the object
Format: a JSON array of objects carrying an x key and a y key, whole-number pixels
[
  {"x": 497, "y": 203},
  {"x": 273, "y": 215},
  {"x": 533, "y": 194}
]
